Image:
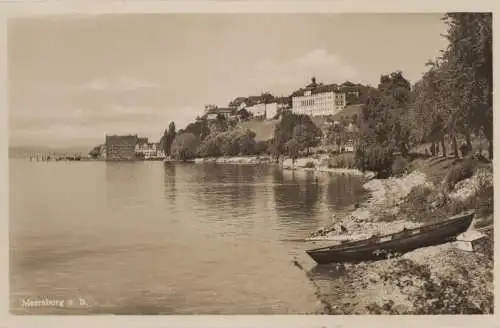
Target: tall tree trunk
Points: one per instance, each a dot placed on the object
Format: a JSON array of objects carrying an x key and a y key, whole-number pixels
[
  {"x": 443, "y": 145},
  {"x": 488, "y": 133},
  {"x": 455, "y": 146},
  {"x": 468, "y": 139}
]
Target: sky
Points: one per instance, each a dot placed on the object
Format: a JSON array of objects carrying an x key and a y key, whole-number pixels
[{"x": 74, "y": 79}]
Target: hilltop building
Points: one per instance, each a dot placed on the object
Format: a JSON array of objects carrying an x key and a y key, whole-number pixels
[
  {"x": 121, "y": 148},
  {"x": 211, "y": 112},
  {"x": 318, "y": 99},
  {"x": 266, "y": 111}
]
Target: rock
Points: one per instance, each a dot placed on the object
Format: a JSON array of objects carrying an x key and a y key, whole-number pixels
[{"x": 373, "y": 277}]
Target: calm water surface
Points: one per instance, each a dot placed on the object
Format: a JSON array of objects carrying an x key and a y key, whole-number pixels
[{"x": 153, "y": 238}]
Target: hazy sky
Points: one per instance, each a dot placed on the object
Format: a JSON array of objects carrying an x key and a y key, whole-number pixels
[{"x": 72, "y": 79}]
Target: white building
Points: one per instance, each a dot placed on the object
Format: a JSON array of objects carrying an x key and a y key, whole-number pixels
[
  {"x": 258, "y": 110},
  {"x": 318, "y": 100},
  {"x": 102, "y": 153},
  {"x": 211, "y": 112},
  {"x": 148, "y": 149},
  {"x": 268, "y": 111}
]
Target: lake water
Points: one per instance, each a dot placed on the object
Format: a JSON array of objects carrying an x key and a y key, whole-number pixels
[{"x": 154, "y": 238}]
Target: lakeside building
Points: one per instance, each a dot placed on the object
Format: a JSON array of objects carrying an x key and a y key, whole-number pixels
[
  {"x": 318, "y": 99},
  {"x": 102, "y": 153},
  {"x": 147, "y": 150},
  {"x": 142, "y": 146},
  {"x": 121, "y": 148}
]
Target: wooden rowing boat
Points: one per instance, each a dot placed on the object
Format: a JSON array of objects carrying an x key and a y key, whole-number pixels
[{"x": 378, "y": 248}]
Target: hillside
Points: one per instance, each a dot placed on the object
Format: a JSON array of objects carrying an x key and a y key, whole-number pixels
[
  {"x": 264, "y": 130},
  {"x": 349, "y": 111}
]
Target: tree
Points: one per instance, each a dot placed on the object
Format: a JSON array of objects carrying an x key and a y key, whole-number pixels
[
  {"x": 222, "y": 124},
  {"x": 383, "y": 130},
  {"x": 306, "y": 135},
  {"x": 167, "y": 138},
  {"x": 229, "y": 143},
  {"x": 261, "y": 147},
  {"x": 184, "y": 146},
  {"x": 244, "y": 114},
  {"x": 292, "y": 149},
  {"x": 455, "y": 96},
  {"x": 300, "y": 127},
  {"x": 95, "y": 152},
  {"x": 267, "y": 98},
  {"x": 470, "y": 57}
]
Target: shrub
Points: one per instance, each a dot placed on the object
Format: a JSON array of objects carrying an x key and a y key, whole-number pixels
[
  {"x": 463, "y": 170},
  {"x": 261, "y": 147},
  {"x": 484, "y": 200},
  {"x": 449, "y": 295},
  {"x": 435, "y": 293},
  {"x": 400, "y": 166},
  {"x": 310, "y": 165},
  {"x": 342, "y": 161},
  {"x": 417, "y": 203},
  {"x": 376, "y": 158},
  {"x": 481, "y": 201}
]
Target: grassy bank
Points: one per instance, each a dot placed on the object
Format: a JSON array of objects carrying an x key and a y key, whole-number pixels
[{"x": 431, "y": 280}]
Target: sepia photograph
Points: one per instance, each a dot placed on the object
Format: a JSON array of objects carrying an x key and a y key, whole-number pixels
[{"x": 250, "y": 163}]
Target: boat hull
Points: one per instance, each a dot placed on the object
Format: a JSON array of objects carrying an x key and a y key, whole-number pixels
[{"x": 392, "y": 245}]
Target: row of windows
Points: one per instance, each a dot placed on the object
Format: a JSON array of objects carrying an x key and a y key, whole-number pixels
[
  {"x": 304, "y": 103},
  {"x": 316, "y": 111}
]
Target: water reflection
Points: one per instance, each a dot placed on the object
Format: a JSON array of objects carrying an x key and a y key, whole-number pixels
[
  {"x": 306, "y": 200},
  {"x": 296, "y": 194},
  {"x": 169, "y": 181},
  {"x": 121, "y": 181},
  {"x": 342, "y": 190},
  {"x": 227, "y": 187},
  {"x": 326, "y": 272},
  {"x": 151, "y": 238}
]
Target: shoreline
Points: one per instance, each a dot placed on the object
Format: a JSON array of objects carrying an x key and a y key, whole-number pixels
[
  {"x": 285, "y": 164},
  {"x": 390, "y": 286}
]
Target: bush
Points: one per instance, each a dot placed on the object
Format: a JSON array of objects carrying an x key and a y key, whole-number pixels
[
  {"x": 417, "y": 203},
  {"x": 449, "y": 295},
  {"x": 481, "y": 201},
  {"x": 261, "y": 147},
  {"x": 345, "y": 161},
  {"x": 310, "y": 165},
  {"x": 484, "y": 200},
  {"x": 435, "y": 293},
  {"x": 376, "y": 158},
  {"x": 463, "y": 170},
  {"x": 400, "y": 166}
]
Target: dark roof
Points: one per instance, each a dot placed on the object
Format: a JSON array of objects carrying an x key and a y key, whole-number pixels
[
  {"x": 126, "y": 139},
  {"x": 282, "y": 100},
  {"x": 221, "y": 109},
  {"x": 319, "y": 88},
  {"x": 254, "y": 98},
  {"x": 141, "y": 140},
  {"x": 225, "y": 109}
]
